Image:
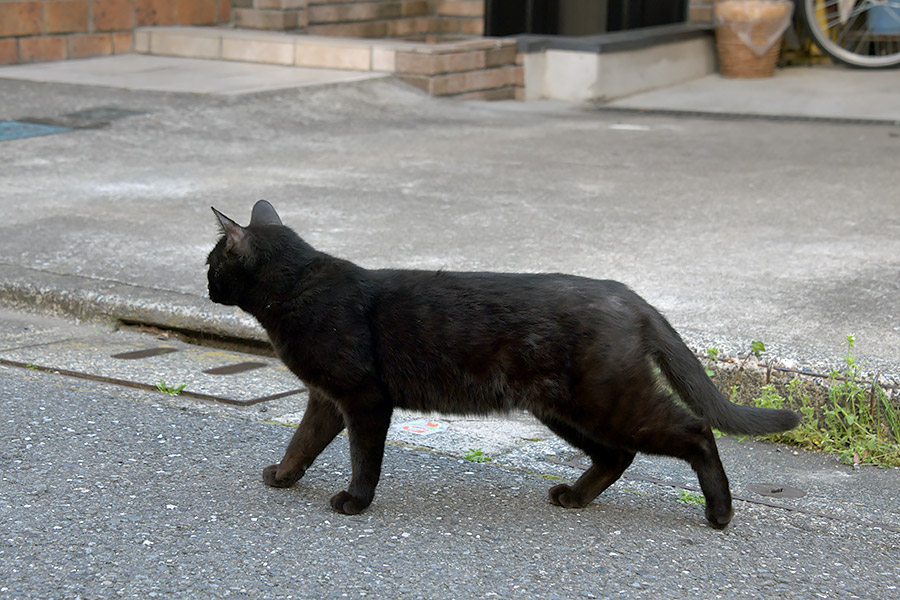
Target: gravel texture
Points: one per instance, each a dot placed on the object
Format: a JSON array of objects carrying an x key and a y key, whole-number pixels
[{"x": 112, "y": 492}]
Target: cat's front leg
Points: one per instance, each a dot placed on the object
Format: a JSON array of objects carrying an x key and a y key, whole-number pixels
[
  {"x": 320, "y": 424},
  {"x": 367, "y": 430}
]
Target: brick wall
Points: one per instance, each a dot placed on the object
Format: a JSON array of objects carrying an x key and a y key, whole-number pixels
[
  {"x": 482, "y": 69},
  {"x": 427, "y": 20},
  {"x": 41, "y": 30},
  {"x": 409, "y": 19}
]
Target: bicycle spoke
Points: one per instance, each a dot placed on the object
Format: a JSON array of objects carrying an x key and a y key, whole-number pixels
[
  {"x": 837, "y": 22},
  {"x": 849, "y": 39}
]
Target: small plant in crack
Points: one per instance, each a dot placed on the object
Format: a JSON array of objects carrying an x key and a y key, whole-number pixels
[
  {"x": 691, "y": 498},
  {"x": 756, "y": 349},
  {"x": 712, "y": 355},
  {"x": 162, "y": 386},
  {"x": 476, "y": 456}
]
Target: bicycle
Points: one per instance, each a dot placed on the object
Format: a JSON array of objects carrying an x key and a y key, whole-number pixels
[{"x": 858, "y": 33}]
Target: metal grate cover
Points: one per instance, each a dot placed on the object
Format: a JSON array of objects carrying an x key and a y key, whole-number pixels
[{"x": 136, "y": 361}]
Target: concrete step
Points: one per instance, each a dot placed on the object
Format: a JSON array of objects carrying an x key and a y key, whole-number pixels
[{"x": 475, "y": 68}]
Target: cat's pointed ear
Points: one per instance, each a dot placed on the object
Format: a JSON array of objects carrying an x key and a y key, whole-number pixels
[
  {"x": 264, "y": 214},
  {"x": 235, "y": 235}
]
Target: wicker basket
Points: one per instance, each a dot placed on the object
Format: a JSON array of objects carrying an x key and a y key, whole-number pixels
[
  {"x": 738, "y": 61},
  {"x": 758, "y": 21}
]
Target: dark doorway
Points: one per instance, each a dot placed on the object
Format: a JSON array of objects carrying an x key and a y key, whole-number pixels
[
  {"x": 579, "y": 17},
  {"x": 631, "y": 14}
]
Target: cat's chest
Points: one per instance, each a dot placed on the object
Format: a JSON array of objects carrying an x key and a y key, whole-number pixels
[{"x": 328, "y": 348}]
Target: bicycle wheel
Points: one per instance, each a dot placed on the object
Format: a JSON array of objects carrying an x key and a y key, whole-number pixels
[{"x": 859, "y": 33}]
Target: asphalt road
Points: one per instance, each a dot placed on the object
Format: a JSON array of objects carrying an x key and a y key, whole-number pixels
[{"x": 112, "y": 492}]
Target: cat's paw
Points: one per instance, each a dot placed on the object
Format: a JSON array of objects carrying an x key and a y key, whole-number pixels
[
  {"x": 719, "y": 519},
  {"x": 563, "y": 495},
  {"x": 346, "y": 504},
  {"x": 281, "y": 478}
]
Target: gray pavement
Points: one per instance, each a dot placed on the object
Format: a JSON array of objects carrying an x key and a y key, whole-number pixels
[
  {"x": 186, "y": 75},
  {"x": 806, "y": 92},
  {"x": 785, "y": 232},
  {"x": 737, "y": 229}
]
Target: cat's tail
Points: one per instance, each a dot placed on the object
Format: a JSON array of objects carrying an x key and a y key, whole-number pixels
[{"x": 689, "y": 379}]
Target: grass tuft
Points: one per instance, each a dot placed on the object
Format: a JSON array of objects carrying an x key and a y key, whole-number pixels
[
  {"x": 162, "y": 386},
  {"x": 856, "y": 421},
  {"x": 476, "y": 456}
]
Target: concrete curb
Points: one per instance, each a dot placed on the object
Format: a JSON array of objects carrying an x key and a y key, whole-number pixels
[
  {"x": 91, "y": 299},
  {"x": 103, "y": 300}
]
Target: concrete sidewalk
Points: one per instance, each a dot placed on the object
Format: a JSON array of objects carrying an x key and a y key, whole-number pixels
[
  {"x": 738, "y": 230},
  {"x": 817, "y": 92},
  {"x": 181, "y": 75}
]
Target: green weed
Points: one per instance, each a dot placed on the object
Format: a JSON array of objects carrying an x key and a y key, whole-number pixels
[
  {"x": 712, "y": 355},
  {"x": 476, "y": 456},
  {"x": 691, "y": 498},
  {"x": 162, "y": 386},
  {"x": 858, "y": 421},
  {"x": 756, "y": 349}
]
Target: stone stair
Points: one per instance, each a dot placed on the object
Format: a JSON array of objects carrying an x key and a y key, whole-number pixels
[{"x": 474, "y": 68}]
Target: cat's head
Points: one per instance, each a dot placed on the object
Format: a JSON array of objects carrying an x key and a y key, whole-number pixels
[{"x": 235, "y": 262}]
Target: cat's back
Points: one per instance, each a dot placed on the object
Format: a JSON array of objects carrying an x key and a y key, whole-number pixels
[
  {"x": 497, "y": 286},
  {"x": 508, "y": 299}
]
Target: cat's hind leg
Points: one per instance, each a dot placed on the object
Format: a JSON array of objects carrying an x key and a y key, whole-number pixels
[
  {"x": 608, "y": 466},
  {"x": 673, "y": 431},
  {"x": 320, "y": 425},
  {"x": 605, "y": 470}
]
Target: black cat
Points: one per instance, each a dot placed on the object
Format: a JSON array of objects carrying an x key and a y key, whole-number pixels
[{"x": 577, "y": 353}]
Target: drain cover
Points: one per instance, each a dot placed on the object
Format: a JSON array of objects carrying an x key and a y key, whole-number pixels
[
  {"x": 776, "y": 490},
  {"x": 133, "y": 360},
  {"x": 146, "y": 353},
  {"x": 16, "y": 130},
  {"x": 234, "y": 369}
]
